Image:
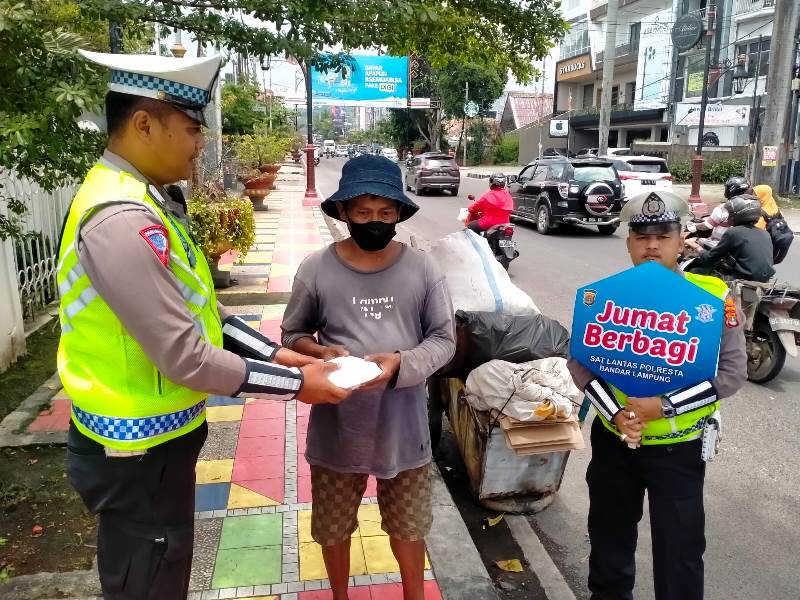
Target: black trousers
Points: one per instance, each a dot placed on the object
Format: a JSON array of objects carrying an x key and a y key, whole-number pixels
[
  {"x": 673, "y": 476},
  {"x": 474, "y": 226},
  {"x": 145, "y": 506}
]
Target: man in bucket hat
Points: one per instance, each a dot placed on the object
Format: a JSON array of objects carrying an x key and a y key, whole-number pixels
[{"x": 372, "y": 297}]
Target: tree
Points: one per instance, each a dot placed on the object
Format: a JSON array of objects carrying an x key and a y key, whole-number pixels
[
  {"x": 505, "y": 33},
  {"x": 323, "y": 124},
  {"x": 46, "y": 88},
  {"x": 239, "y": 108}
]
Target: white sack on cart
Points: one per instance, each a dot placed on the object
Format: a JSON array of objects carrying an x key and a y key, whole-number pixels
[
  {"x": 476, "y": 281},
  {"x": 532, "y": 384}
]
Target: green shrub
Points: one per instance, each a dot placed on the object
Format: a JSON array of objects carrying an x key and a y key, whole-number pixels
[
  {"x": 221, "y": 222},
  {"x": 716, "y": 172},
  {"x": 507, "y": 151}
]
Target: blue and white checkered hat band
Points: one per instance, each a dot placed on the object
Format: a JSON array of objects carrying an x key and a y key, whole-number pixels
[
  {"x": 192, "y": 95},
  {"x": 669, "y": 216},
  {"x": 140, "y": 428}
]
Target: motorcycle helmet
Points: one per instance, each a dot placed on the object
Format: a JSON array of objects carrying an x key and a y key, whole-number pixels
[
  {"x": 744, "y": 209},
  {"x": 736, "y": 186},
  {"x": 497, "y": 180}
]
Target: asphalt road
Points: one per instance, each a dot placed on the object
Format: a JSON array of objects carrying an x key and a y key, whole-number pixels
[{"x": 752, "y": 488}]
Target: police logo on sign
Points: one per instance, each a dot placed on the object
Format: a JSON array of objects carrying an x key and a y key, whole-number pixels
[{"x": 589, "y": 297}]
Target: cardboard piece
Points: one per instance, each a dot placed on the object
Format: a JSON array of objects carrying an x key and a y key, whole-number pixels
[{"x": 537, "y": 437}]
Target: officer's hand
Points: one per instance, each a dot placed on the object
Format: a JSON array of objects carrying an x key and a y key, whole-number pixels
[
  {"x": 290, "y": 358},
  {"x": 646, "y": 409},
  {"x": 389, "y": 364},
  {"x": 317, "y": 388},
  {"x": 331, "y": 352},
  {"x": 630, "y": 427}
]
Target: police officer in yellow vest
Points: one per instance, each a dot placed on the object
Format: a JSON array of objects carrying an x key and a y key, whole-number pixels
[
  {"x": 654, "y": 443},
  {"x": 144, "y": 341}
]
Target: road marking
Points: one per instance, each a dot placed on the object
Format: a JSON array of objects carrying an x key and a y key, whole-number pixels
[{"x": 553, "y": 582}]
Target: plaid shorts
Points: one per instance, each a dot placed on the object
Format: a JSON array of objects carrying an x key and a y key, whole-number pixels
[{"x": 404, "y": 502}]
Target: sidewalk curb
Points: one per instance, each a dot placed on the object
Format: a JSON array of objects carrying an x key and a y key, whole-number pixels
[
  {"x": 553, "y": 582},
  {"x": 458, "y": 567},
  {"x": 75, "y": 585},
  {"x": 27, "y": 412}
]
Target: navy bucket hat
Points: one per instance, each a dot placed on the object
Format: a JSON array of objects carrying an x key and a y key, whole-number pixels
[{"x": 375, "y": 175}]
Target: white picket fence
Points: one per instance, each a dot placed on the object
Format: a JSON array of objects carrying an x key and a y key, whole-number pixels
[{"x": 28, "y": 267}]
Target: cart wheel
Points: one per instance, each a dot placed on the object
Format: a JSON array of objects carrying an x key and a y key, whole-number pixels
[{"x": 435, "y": 410}]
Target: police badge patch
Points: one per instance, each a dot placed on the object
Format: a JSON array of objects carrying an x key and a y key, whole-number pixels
[
  {"x": 157, "y": 238},
  {"x": 653, "y": 206},
  {"x": 731, "y": 318}
]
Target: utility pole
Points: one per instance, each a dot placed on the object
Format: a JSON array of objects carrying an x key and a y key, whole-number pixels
[
  {"x": 311, "y": 198},
  {"x": 608, "y": 75},
  {"x": 464, "y": 125},
  {"x": 695, "y": 201},
  {"x": 755, "y": 109},
  {"x": 779, "y": 83}
]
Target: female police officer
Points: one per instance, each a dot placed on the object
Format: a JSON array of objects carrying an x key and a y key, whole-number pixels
[
  {"x": 143, "y": 338},
  {"x": 667, "y": 430}
]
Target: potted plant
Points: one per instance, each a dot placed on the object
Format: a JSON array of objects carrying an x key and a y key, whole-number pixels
[
  {"x": 221, "y": 223},
  {"x": 256, "y": 153}
]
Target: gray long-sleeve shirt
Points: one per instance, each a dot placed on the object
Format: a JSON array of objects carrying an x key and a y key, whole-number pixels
[{"x": 404, "y": 307}]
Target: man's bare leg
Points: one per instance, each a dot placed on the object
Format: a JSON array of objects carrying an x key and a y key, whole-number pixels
[
  {"x": 337, "y": 563},
  {"x": 411, "y": 558}
]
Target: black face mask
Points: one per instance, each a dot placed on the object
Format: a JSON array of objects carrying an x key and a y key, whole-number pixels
[{"x": 372, "y": 236}]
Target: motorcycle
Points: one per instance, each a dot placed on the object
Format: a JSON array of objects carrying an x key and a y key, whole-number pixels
[
  {"x": 771, "y": 323},
  {"x": 772, "y": 326},
  {"x": 501, "y": 242}
]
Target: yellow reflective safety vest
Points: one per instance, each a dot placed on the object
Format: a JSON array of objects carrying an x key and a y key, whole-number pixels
[
  {"x": 119, "y": 398},
  {"x": 688, "y": 426}
]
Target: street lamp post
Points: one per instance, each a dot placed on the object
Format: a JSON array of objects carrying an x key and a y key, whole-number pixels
[
  {"x": 696, "y": 202},
  {"x": 311, "y": 197}
]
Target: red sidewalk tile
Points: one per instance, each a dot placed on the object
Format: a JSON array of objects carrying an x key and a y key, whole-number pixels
[
  {"x": 355, "y": 593},
  {"x": 276, "y": 410},
  {"x": 246, "y": 468},
  {"x": 271, "y": 488},
  {"x": 280, "y": 284},
  {"x": 261, "y": 445},
  {"x": 260, "y": 428}
]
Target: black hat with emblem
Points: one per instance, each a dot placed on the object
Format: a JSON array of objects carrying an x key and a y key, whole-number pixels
[{"x": 655, "y": 213}]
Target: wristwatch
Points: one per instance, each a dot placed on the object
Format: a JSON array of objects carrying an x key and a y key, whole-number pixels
[{"x": 667, "y": 410}]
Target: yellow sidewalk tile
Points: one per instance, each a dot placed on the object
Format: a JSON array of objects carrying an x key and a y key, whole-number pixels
[
  {"x": 378, "y": 555},
  {"x": 214, "y": 471},
  {"x": 279, "y": 269},
  {"x": 241, "y": 497},
  {"x": 273, "y": 312},
  {"x": 257, "y": 256},
  {"x": 312, "y": 566},
  {"x": 369, "y": 520},
  {"x": 216, "y": 414}
]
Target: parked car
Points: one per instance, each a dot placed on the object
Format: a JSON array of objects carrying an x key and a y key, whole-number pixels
[
  {"x": 575, "y": 191},
  {"x": 585, "y": 152},
  {"x": 648, "y": 174},
  {"x": 433, "y": 171},
  {"x": 390, "y": 153}
]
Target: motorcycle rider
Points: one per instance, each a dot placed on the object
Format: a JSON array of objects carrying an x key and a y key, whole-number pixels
[
  {"x": 744, "y": 252},
  {"x": 719, "y": 219},
  {"x": 493, "y": 208}
]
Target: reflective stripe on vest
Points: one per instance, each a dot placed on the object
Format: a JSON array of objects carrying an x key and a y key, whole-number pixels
[{"x": 689, "y": 425}]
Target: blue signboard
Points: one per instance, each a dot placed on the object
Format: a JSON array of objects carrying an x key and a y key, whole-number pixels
[
  {"x": 647, "y": 330},
  {"x": 380, "y": 81}
]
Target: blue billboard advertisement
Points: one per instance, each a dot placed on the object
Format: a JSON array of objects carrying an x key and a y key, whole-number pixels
[{"x": 380, "y": 81}]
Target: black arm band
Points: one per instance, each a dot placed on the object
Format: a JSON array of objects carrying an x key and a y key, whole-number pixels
[
  {"x": 603, "y": 398},
  {"x": 267, "y": 380},
  {"x": 241, "y": 339},
  {"x": 692, "y": 397}
]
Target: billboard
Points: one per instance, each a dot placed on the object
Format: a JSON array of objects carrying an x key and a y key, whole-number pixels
[
  {"x": 655, "y": 62},
  {"x": 380, "y": 81},
  {"x": 730, "y": 115}
]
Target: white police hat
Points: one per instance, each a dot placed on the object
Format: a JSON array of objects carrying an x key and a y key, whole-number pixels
[
  {"x": 185, "y": 83},
  {"x": 655, "y": 212}
]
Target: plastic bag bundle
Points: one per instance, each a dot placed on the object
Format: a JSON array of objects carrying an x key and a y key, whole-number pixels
[{"x": 476, "y": 281}]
